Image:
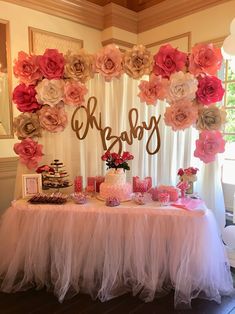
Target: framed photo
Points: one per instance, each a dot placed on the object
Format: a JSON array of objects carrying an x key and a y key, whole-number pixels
[
  {"x": 40, "y": 40},
  {"x": 31, "y": 184}
]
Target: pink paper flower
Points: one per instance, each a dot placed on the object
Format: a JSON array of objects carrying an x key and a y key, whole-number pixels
[
  {"x": 153, "y": 90},
  {"x": 30, "y": 152},
  {"x": 205, "y": 58},
  {"x": 168, "y": 60},
  {"x": 210, "y": 90},
  {"x": 25, "y": 98},
  {"x": 53, "y": 119},
  {"x": 208, "y": 145},
  {"x": 51, "y": 64},
  {"x": 26, "y": 68},
  {"x": 74, "y": 93},
  {"x": 108, "y": 62},
  {"x": 181, "y": 115}
]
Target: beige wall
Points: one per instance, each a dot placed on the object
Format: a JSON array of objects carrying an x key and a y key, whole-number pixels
[
  {"x": 20, "y": 18},
  {"x": 204, "y": 25}
]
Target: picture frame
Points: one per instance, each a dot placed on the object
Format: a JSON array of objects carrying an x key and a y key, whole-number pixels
[
  {"x": 40, "y": 40},
  {"x": 31, "y": 184}
]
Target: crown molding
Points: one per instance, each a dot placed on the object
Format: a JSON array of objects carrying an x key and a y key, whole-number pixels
[
  {"x": 167, "y": 11},
  {"x": 82, "y": 12},
  {"x": 98, "y": 17},
  {"x": 117, "y": 16}
]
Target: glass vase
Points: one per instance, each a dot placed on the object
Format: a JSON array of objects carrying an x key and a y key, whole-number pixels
[{"x": 190, "y": 188}]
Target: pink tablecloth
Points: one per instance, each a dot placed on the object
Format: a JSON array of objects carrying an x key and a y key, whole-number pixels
[{"x": 106, "y": 252}]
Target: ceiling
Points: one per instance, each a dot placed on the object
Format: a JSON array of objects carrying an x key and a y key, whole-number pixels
[{"x": 134, "y": 5}]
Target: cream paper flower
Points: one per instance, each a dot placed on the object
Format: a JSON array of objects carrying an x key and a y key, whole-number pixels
[
  {"x": 79, "y": 66},
  {"x": 50, "y": 92},
  {"x": 182, "y": 85},
  {"x": 27, "y": 125},
  {"x": 137, "y": 62},
  {"x": 210, "y": 118}
]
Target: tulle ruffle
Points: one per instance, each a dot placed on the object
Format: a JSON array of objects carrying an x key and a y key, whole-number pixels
[{"x": 107, "y": 252}]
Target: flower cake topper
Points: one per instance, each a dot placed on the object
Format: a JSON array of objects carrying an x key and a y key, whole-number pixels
[
  {"x": 116, "y": 161},
  {"x": 187, "y": 81}
]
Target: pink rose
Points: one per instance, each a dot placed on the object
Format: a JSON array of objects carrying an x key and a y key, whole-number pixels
[
  {"x": 208, "y": 145},
  {"x": 108, "y": 62},
  {"x": 181, "y": 114},
  {"x": 168, "y": 60},
  {"x": 26, "y": 68},
  {"x": 52, "y": 64},
  {"x": 209, "y": 90},
  {"x": 25, "y": 98},
  {"x": 153, "y": 90},
  {"x": 30, "y": 152},
  {"x": 205, "y": 58},
  {"x": 53, "y": 119},
  {"x": 180, "y": 172},
  {"x": 74, "y": 93}
]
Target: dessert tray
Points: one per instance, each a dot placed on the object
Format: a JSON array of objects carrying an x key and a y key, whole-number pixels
[{"x": 54, "y": 198}]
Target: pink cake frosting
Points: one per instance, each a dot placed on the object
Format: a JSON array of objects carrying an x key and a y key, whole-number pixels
[{"x": 115, "y": 185}]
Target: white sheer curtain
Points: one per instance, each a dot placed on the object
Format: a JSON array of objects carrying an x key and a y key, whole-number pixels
[{"x": 115, "y": 99}]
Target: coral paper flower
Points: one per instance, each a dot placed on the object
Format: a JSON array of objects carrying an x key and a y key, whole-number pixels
[
  {"x": 74, "y": 93},
  {"x": 153, "y": 90},
  {"x": 50, "y": 92},
  {"x": 137, "y": 62},
  {"x": 79, "y": 66},
  {"x": 210, "y": 90},
  {"x": 26, "y": 68},
  {"x": 108, "y": 62},
  {"x": 205, "y": 58},
  {"x": 208, "y": 145},
  {"x": 53, "y": 119},
  {"x": 182, "y": 85},
  {"x": 51, "y": 64},
  {"x": 168, "y": 60},
  {"x": 181, "y": 115},
  {"x": 25, "y": 98},
  {"x": 29, "y": 151}
]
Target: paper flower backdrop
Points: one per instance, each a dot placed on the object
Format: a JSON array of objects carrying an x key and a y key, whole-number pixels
[{"x": 187, "y": 81}]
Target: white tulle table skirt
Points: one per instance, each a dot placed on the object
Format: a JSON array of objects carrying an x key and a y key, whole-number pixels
[{"x": 106, "y": 252}]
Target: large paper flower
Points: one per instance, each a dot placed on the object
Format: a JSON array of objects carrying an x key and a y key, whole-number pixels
[
  {"x": 108, "y": 62},
  {"x": 51, "y": 64},
  {"x": 181, "y": 115},
  {"x": 50, "y": 92},
  {"x": 208, "y": 145},
  {"x": 153, "y": 90},
  {"x": 210, "y": 118},
  {"x": 53, "y": 119},
  {"x": 168, "y": 60},
  {"x": 182, "y": 85},
  {"x": 205, "y": 58},
  {"x": 26, "y": 68},
  {"x": 27, "y": 125},
  {"x": 30, "y": 152},
  {"x": 74, "y": 93},
  {"x": 137, "y": 61},
  {"x": 210, "y": 90},
  {"x": 25, "y": 98},
  {"x": 79, "y": 66}
]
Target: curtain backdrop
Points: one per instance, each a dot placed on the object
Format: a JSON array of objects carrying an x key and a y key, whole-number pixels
[{"x": 114, "y": 100}]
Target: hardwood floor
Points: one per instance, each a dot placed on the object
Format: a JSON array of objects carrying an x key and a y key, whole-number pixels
[{"x": 42, "y": 302}]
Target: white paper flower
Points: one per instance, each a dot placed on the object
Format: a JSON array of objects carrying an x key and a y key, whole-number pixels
[
  {"x": 182, "y": 85},
  {"x": 50, "y": 92}
]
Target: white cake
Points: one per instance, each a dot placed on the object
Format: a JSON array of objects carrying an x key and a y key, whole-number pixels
[{"x": 115, "y": 185}]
